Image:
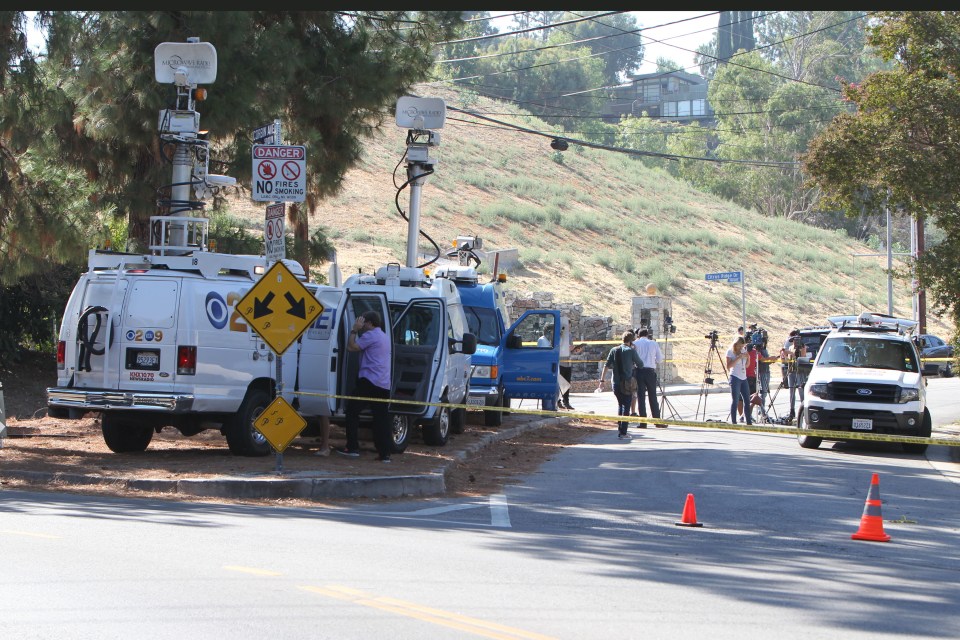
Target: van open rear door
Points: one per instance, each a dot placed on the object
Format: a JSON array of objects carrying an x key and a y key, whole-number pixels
[{"x": 418, "y": 337}]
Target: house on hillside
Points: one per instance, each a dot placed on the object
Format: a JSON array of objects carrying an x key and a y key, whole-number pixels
[{"x": 676, "y": 96}]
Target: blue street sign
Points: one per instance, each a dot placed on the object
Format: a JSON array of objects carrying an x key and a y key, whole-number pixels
[{"x": 729, "y": 276}]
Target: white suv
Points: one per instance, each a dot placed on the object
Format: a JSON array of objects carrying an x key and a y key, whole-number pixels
[{"x": 867, "y": 378}]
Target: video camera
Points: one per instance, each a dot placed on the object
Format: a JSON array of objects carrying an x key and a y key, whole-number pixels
[
  {"x": 756, "y": 336},
  {"x": 713, "y": 336}
]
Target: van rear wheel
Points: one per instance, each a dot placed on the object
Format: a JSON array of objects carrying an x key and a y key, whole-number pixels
[
  {"x": 125, "y": 434},
  {"x": 242, "y": 438}
]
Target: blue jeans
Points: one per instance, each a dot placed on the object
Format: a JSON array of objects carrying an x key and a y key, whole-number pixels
[
  {"x": 623, "y": 408},
  {"x": 740, "y": 389}
]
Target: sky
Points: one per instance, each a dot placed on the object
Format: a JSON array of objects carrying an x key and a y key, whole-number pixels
[{"x": 677, "y": 41}]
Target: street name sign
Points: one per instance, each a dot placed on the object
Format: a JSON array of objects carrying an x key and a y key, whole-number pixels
[
  {"x": 279, "y": 308},
  {"x": 729, "y": 276}
]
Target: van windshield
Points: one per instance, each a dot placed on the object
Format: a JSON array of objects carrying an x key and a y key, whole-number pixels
[
  {"x": 482, "y": 322},
  {"x": 867, "y": 353}
]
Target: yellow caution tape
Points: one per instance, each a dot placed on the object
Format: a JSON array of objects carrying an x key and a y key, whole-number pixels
[{"x": 756, "y": 428}]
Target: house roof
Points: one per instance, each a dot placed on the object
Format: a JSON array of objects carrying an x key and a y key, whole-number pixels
[{"x": 692, "y": 78}]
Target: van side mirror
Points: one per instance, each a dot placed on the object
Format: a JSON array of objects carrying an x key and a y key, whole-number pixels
[
  {"x": 514, "y": 341},
  {"x": 469, "y": 344}
]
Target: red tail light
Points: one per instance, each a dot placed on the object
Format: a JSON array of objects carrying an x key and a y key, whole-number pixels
[
  {"x": 186, "y": 361},
  {"x": 61, "y": 354}
]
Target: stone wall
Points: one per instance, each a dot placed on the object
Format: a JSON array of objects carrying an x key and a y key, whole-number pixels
[{"x": 588, "y": 362}]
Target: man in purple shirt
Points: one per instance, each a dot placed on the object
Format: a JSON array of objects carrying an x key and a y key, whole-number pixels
[{"x": 373, "y": 381}]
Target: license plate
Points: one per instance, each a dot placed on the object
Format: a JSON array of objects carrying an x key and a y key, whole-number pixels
[
  {"x": 862, "y": 424},
  {"x": 147, "y": 359},
  {"x": 476, "y": 402}
]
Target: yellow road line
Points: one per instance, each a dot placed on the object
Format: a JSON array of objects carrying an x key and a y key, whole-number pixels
[
  {"x": 30, "y": 534},
  {"x": 427, "y": 614},
  {"x": 251, "y": 570}
]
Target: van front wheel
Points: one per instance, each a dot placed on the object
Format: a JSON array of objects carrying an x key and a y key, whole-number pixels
[
  {"x": 436, "y": 431},
  {"x": 242, "y": 438},
  {"x": 125, "y": 434}
]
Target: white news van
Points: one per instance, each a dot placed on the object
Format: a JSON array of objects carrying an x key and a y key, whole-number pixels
[
  {"x": 156, "y": 340},
  {"x": 431, "y": 342},
  {"x": 153, "y": 341}
]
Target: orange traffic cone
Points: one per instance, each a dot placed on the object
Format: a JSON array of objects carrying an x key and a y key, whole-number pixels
[
  {"x": 871, "y": 524},
  {"x": 689, "y": 517}
]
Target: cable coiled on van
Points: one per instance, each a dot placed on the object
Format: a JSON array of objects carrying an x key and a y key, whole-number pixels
[{"x": 88, "y": 339}]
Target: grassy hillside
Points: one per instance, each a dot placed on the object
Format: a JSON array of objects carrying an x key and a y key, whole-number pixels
[{"x": 595, "y": 227}]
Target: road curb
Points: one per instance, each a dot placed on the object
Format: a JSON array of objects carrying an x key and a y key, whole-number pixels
[{"x": 431, "y": 483}]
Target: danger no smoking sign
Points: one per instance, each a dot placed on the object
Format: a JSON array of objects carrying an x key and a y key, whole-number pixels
[{"x": 279, "y": 173}]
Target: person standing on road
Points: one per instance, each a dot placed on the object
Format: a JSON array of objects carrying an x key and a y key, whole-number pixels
[
  {"x": 373, "y": 381},
  {"x": 650, "y": 354},
  {"x": 793, "y": 348},
  {"x": 621, "y": 360},
  {"x": 753, "y": 358},
  {"x": 566, "y": 367},
  {"x": 737, "y": 358}
]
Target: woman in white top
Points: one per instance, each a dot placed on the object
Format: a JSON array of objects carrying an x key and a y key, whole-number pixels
[{"x": 737, "y": 357}]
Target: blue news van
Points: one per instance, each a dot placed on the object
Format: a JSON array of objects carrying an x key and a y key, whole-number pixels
[{"x": 512, "y": 361}]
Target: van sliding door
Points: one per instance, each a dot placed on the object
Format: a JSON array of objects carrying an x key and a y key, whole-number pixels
[{"x": 357, "y": 303}]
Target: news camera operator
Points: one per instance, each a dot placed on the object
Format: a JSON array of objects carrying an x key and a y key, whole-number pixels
[{"x": 793, "y": 348}]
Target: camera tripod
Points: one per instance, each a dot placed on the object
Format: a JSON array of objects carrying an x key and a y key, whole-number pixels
[
  {"x": 708, "y": 373},
  {"x": 664, "y": 401},
  {"x": 791, "y": 370}
]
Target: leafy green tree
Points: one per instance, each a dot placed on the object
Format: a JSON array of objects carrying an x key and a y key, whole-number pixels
[
  {"x": 762, "y": 118},
  {"x": 48, "y": 211},
  {"x": 331, "y": 77},
  {"x": 618, "y": 42},
  {"x": 901, "y": 145},
  {"x": 463, "y": 56},
  {"x": 834, "y": 47},
  {"x": 646, "y": 134},
  {"x": 734, "y": 33}
]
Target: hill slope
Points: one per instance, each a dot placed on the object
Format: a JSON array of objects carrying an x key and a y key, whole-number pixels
[{"x": 595, "y": 227}]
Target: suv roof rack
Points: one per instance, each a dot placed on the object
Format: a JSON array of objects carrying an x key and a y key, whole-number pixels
[{"x": 875, "y": 322}]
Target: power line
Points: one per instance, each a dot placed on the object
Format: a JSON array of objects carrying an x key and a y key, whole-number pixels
[
  {"x": 603, "y": 147},
  {"x": 567, "y": 44},
  {"x": 541, "y": 28}
]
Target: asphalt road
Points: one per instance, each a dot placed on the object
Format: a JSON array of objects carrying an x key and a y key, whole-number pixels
[{"x": 587, "y": 547}]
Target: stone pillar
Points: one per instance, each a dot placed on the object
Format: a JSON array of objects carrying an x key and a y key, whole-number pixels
[{"x": 651, "y": 312}]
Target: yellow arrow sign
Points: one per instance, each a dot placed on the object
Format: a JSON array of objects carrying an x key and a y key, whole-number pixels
[
  {"x": 279, "y": 307},
  {"x": 280, "y": 424}
]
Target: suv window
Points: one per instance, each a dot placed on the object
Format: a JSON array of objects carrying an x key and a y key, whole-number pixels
[{"x": 869, "y": 353}]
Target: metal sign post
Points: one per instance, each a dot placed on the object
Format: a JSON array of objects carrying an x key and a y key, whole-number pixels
[{"x": 279, "y": 308}]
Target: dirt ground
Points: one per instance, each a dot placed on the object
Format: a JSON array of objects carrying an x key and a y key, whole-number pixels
[{"x": 37, "y": 442}]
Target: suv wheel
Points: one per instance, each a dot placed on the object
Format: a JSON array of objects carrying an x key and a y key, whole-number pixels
[
  {"x": 926, "y": 428},
  {"x": 807, "y": 442}
]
